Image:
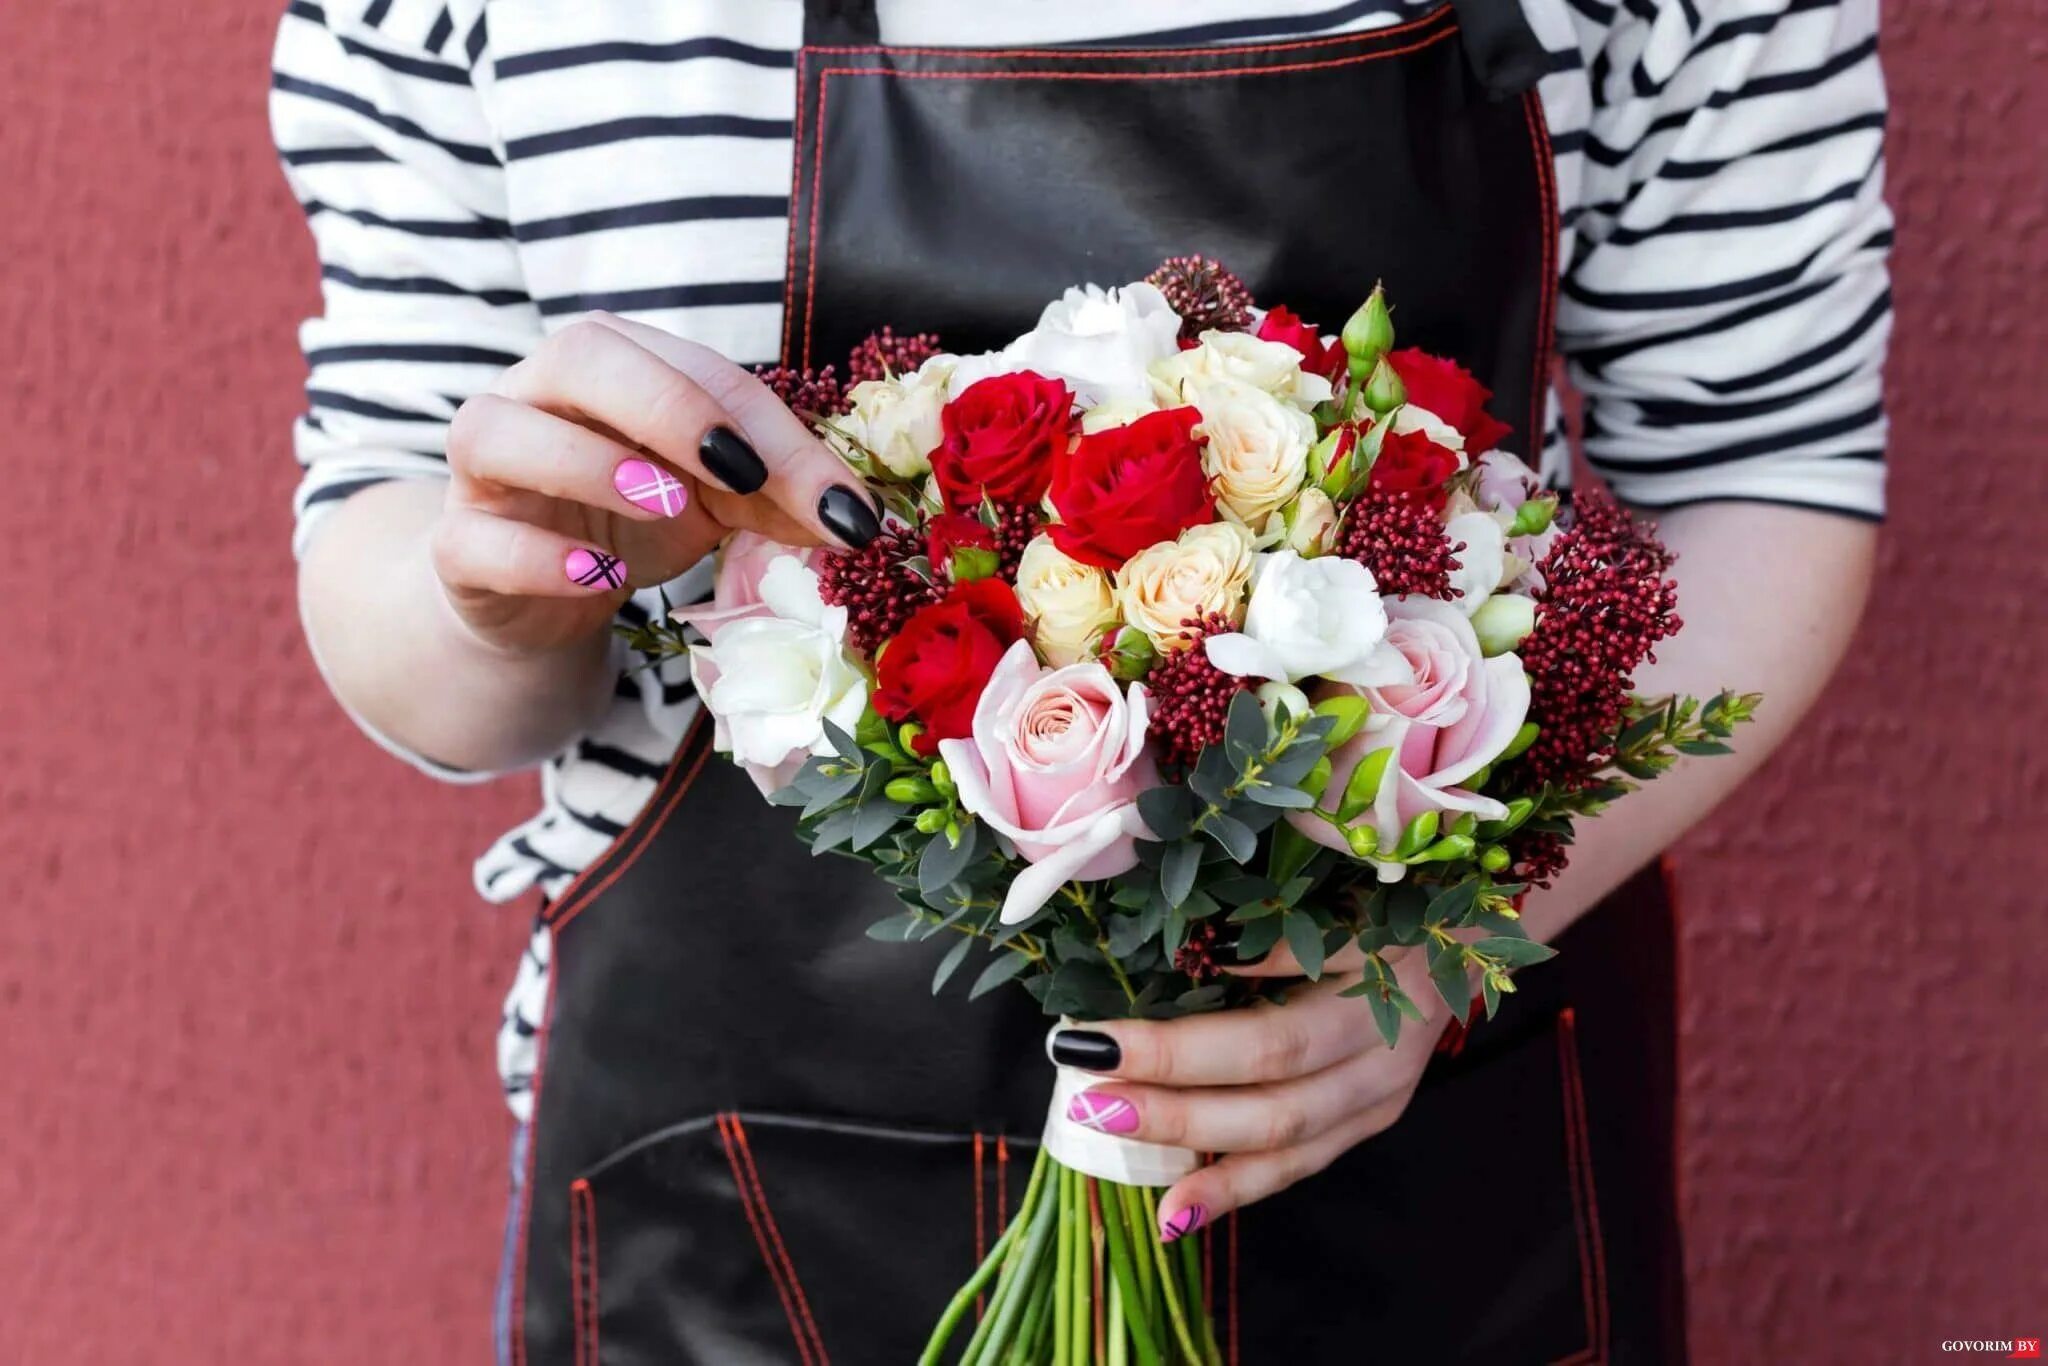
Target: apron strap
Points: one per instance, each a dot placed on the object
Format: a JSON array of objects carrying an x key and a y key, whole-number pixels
[
  {"x": 841, "y": 23},
  {"x": 1502, "y": 49}
]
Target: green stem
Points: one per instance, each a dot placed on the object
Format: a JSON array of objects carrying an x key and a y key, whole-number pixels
[
  {"x": 957, "y": 1308},
  {"x": 1129, "y": 1302},
  {"x": 1135, "y": 1231},
  {"x": 1088, "y": 1256},
  {"x": 1119, "y": 1340},
  {"x": 1198, "y": 1302},
  {"x": 1063, "y": 1276},
  {"x": 984, "y": 1339},
  {"x": 1168, "y": 1289},
  {"x": 1023, "y": 1277}
]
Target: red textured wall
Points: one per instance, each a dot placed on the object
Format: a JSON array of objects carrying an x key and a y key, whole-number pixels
[{"x": 246, "y": 1000}]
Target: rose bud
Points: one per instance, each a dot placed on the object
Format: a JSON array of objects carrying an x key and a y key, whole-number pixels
[
  {"x": 1533, "y": 518},
  {"x": 1280, "y": 701},
  {"x": 1311, "y": 522},
  {"x": 960, "y": 547},
  {"x": 1384, "y": 392},
  {"x": 1127, "y": 653},
  {"x": 1502, "y": 622},
  {"x": 1369, "y": 333}
]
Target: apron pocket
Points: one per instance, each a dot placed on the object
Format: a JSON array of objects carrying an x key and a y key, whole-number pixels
[
  {"x": 744, "y": 1240},
  {"x": 1467, "y": 1233}
]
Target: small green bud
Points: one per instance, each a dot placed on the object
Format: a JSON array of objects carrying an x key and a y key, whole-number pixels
[
  {"x": 952, "y": 834},
  {"x": 907, "y": 736},
  {"x": 1446, "y": 850},
  {"x": 968, "y": 563},
  {"x": 1494, "y": 859},
  {"x": 1318, "y": 777},
  {"x": 1384, "y": 391},
  {"x": 911, "y": 790},
  {"x": 1502, "y": 622},
  {"x": 942, "y": 778},
  {"x": 1465, "y": 824},
  {"x": 1369, "y": 332},
  {"x": 1364, "y": 784},
  {"x": 1533, "y": 518},
  {"x": 1420, "y": 832},
  {"x": 1524, "y": 738},
  {"x": 1479, "y": 779},
  {"x": 1350, "y": 711},
  {"x": 1127, "y": 653},
  {"x": 1363, "y": 839},
  {"x": 930, "y": 821}
]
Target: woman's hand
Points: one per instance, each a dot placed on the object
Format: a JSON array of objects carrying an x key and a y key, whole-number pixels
[
  {"x": 615, "y": 456},
  {"x": 1278, "y": 1091}
]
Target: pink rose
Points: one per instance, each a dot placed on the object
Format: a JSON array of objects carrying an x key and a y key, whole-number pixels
[
  {"x": 736, "y": 592},
  {"x": 1455, "y": 718},
  {"x": 1056, "y": 762}
]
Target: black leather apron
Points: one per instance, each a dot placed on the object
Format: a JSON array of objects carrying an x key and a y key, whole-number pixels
[{"x": 758, "y": 1138}]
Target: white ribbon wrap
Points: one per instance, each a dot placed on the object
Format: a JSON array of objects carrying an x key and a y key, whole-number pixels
[{"x": 1107, "y": 1157}]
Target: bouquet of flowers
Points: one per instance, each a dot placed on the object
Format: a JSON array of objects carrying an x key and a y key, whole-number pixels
[{"x": 1192, "y": 632}]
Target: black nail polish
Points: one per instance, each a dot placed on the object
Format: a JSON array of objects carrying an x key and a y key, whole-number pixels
[
  {"x": 1086, "y": 1049},
  {"x": 847, "y": 515},
  {"x": 731, "y": 460}
]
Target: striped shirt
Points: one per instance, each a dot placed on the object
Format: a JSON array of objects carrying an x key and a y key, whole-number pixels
[{"x": 476, "y": 173}]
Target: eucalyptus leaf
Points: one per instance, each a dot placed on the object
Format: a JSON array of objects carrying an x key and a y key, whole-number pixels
[
  {"x": 1287, "y": 798},
  {"x": 1514, "y": 953},
  {"x": 1177, "y": 870},
  {"x": 1169, "y": 811},
  {"x": 950, "y": 964},
  {"x": 1305, "y": 938},
  {"x": 1232, "y": 835},
  {"x": 995, "y": 974},
  {"x": 1257, "y": 939},
  {"x": 842, "y": 743},
  {"x": 942, "y": 861},
  {"x": 872, "y": 820},
  {"x": 1244, "y": 729},
  {"x": 895, "y": 929}
]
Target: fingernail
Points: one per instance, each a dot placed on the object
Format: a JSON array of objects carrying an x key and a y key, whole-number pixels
[
  {"x": 731, "y": 460},
  {"x": 1086, "y": 1049},
  {"x": 1182, "y": 1222},
  {"x": 1104, "y": 1114},
  {"x": 847, "y": 515},
  {"x": 597, "y": 570},
  {"x": 650, "y": 488}
]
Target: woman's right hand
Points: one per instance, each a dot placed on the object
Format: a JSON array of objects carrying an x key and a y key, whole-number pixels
[{"x": 615, "y": 457}]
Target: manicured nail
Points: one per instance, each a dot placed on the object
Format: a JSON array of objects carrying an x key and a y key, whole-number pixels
[
  {"x": 1182, "y": 1222},
  {"x": 847, "y": 515},
  {"x": 654, "y": 490},
  {"x": 731, "y": 460},
  {"x": 1086, "y": 1049},
  {"x": 1104, "y": 1114},
  {"x": 597, "y": 570}
]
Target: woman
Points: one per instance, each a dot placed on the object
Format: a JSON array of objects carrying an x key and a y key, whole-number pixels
[{"x": 551, "y": 237}]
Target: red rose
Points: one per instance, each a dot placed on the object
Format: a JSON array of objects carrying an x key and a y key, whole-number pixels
[
  {"x": 1317, "y": 357},
  {"x": 1120, "y": 490},
  {"x": 934, "y": 669},
  {"x": 1409, "y": 462},
  {"x": 999, "y": 438},
  {"x": 1447, "y": 389},
  {"x": 951, "y": 531}
]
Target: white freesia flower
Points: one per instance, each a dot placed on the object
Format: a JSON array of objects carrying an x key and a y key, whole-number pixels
[
  {"x": 1269, "y": 365},
  {"x": 1319, "y": 618},
  {"x": 897, "y": 419},
  {"x": 1102, "y": 342},
  {"x": 1255, "y": 451},
  {"x": 772, "y": 681},
  {"x": 1483, "y": 563}
]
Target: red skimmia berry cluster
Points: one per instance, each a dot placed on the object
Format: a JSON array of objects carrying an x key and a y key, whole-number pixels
[
  {"x": 1197, "y": 957},
  {"x": 1015, "y": 525},
  {"x": 806, "y": 390},
  {"x": 1190, "y": 697},
  {"x": 1399, "y": 536},
  {"x": 1605, "y": 604},
  {"x": 884, "y": 354},
  {"x": 1205, "y": 293},
  {"x": 876, "y": 586}
]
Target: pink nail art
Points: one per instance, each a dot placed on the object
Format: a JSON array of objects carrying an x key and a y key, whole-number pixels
[
  {"x": 645, "y": 486},
  {"x": 1183, "y": 1222},
  {"x": 598, "y": 570},
  {"x": 1104, "y": 1114}
]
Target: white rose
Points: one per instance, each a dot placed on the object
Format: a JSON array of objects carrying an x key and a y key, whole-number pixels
[
  {"x": 1102, "y": 342},
  {"x": 1272, "y": 366},
  {"x": 1319, "y": 618},
  {"x": 969, "y": 371},
  {"x": 1256, "y": 453},
  {"x": 1206, "y": 569},
  {"x": 1409, "y": 418},
  {"x": 1121, "y": 412},
  {"x": 1483, "y": 563},
  {"x": 1067, "y": 603},
  {"x": 897, "y": 420},
  {"x": 772, "y": 681}
]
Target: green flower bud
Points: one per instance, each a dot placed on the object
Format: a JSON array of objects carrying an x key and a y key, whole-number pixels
[
  {"x": 970, "y": 562},
  {"x": 1533, "y": 518},
  {"x": 930, "y": 821},
  {"x": 1524, "y": 738},
  {"x": 1465, "y": 824},
  {"x": 1318, "y": 777},
  {"x": 910, "y": 790},
  {"x": 942, "y": 778},
  {"x": 1364, "y": 784},
  {"x": 1363, "y": 839},
  {"x": 907, "y": 736},
  {"x": 1127, "y": 653},
  {"x": 1350, "y": 711},
  {"x": 1449, "y": 849},
  {"x": 1420, "y": 832},
  {"x": 1502, "y": 622},
  {"x": 1384, "y": 391},
  {"x": 1494, "y": 859},
  {"x": 1369, "y": 332}
]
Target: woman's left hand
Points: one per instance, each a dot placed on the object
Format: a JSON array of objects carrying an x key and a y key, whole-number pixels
[{"x": 1279, "y": 1091}]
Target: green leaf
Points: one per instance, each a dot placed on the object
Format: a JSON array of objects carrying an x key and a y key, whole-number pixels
[
  {"x": 1293, "y": 765},
  {"x": 1406, "y": 906},
  {"x": 942, "y": 861},
  {"x": 948, "y": 965},
  {"x": 1257, "y": 939},
  {"x": 1177, "y": 870},
  {"x": 843, "y": 744},
  {"x": 1513, "y": 952},
  {"x": 1290, "y": 852},
  {"x": 1212, "y": 777},
  {"x": 1255, "y": 910},
  {"x": 1169, "y": 811},
  {"x": 1244, "y": 729},
  {"x": 1703, "y": 747},
  {"x": 1385, "y": 1013},
  {"x": 1232, "y": 835},
  {"x": 872, "y": 820},
  {"x": 1286, "y": 798},
  {"x": 1305, "y": 937},
  {"x": 832, "y": 831},
  {"x": 1447, "y": 970},
  {"x": 896, "y": 929},
  {"x": 1452, "y": 903},
  {"x": 997, "y": 973}
]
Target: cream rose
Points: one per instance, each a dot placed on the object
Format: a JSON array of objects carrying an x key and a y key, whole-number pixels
[
  {"x": 1274, "y": 367},
  {"x": 897, "y": 420},
  {"x": 1255, "y": 451},
  {"x": 1067, "y": 603},
  {"x": 1206, "y": 569},
  {"x": 1312, "y": 521}
]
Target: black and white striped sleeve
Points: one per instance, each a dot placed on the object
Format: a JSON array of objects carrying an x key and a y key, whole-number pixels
[
  {"x": 1728, "y": 307},
  {"x": 385, "y": 142}
]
